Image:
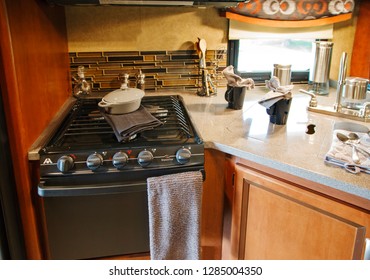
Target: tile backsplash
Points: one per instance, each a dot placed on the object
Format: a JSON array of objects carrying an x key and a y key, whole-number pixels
[{"x": 164, "y": 70}]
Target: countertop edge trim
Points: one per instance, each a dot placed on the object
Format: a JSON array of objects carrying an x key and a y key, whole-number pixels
[
  {"x": 339, "y": 190},
  {"x": 33, "y": 152}
]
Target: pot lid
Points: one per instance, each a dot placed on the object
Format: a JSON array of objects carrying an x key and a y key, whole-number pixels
[
  {"x": 356, "y": 81},
  {"x": 119, "y": 96}
]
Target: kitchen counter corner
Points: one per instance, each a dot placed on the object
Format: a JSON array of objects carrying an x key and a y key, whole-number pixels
[{"x": 248, "y": 134}]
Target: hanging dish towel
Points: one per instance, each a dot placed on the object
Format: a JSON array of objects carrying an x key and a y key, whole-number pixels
[
  {"x": 276, "y": 92},
  {"x": 234, "y": 80},
  {"x": 127, "y": 125},
  {"x": 174, "y": 203},
  {"x": 340, "y": 154}
]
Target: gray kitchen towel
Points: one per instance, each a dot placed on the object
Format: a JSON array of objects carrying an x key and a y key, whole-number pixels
[
  {"x": 175, "y": 203},
  {"x": 276, "y": 92},
  {"x": 234, "y": 80},
  {"x": 340, "y": 154},
  {"x": 127, "y": 125}
]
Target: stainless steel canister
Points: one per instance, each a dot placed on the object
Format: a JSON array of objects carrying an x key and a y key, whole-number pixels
[
  {"x": 321, "y": 62},
  {"x": 355, "y": 88},
  {"x": 283, "y": 72},
  {"x": 320, "y": 69}
]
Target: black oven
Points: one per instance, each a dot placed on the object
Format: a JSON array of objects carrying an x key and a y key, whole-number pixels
[{"x": 93, "y": 187}]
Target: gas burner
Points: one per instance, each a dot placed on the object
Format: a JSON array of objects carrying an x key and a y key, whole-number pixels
[
  {"x": 87, "y": 141},
  {"x": 129, "y": 139}
]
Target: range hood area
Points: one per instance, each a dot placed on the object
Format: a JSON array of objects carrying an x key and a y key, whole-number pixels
[{"x": 198, "y": 3}]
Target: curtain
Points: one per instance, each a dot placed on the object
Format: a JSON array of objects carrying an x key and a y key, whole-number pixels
[
  {"x": 293, "y": 9},
  {"x": 241, "y": 30}
]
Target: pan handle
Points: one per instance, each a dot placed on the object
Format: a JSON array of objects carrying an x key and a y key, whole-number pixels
[{"x": 103, "y": 104}]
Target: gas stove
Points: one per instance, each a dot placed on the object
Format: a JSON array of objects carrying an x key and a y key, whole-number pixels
[
  {"x": 85, "y": 143},
  {"x": 94, "y": 188}
]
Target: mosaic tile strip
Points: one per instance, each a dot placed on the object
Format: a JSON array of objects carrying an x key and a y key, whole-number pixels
[{"x": 164, "y": 70}]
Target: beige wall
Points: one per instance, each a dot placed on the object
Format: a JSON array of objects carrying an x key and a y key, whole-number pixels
[
  {"x": 143, "y": 28},
  {"x": 167, "y": 28},
  {"x": 343, "y": 37}
]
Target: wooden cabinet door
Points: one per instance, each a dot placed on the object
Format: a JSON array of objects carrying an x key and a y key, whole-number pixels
[{"x": 275, "y": 225}]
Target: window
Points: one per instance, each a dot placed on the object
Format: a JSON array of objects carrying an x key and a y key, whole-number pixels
[
  {"x": 255, "y": 58},
  {"x": 254, "y": 49}
]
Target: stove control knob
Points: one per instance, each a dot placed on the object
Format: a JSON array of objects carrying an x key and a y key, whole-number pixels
[
  {"x": 65, "y": 163},
  {"x": 183, "y": 155},
  {"x": 144, "y": 158},
  {"x": 94, "y": 161},
  {"x": 120, "y": 160}
]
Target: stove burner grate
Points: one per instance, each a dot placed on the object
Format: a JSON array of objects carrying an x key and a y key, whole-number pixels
[{"x": 85, "y": 126}]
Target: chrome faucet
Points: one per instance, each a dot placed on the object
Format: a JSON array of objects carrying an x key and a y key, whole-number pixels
[
  {"x": 337, "y": 109},
  {"x": 82, "y": 87},
  {"x": 341, "y": 80},
  {"x": 365, "y": 110}
]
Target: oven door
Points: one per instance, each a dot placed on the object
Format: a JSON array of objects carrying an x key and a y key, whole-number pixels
[{"x": 91, "y": 221}]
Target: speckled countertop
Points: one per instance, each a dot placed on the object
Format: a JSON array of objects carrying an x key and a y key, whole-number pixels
[{"x": 248, "y": 134}]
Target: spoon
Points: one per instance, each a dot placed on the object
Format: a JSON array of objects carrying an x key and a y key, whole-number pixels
[
  {"x": 355, "y": 139},
  {"x": 203, "y": 47},
  {"x": 343, "y": 138}
]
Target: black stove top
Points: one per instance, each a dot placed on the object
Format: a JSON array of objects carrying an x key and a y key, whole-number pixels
[
  {"x": 86, "y": 128},
  {"x": 86, "y": 142}
]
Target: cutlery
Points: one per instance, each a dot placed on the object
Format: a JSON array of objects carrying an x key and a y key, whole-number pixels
[
  {"x": 345, "y": 139},
  {"x": 203, "y": 48},
  {"x": 355, "y": 139}
]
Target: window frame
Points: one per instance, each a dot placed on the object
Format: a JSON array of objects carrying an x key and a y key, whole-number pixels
[{"x": 297, "y": 77}]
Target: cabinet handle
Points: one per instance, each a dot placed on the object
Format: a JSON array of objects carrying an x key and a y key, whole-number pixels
[{"x": 367, "y": 249}]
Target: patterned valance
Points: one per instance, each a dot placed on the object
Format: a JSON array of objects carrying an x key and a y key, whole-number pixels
[{"x": 293, "y": 10}]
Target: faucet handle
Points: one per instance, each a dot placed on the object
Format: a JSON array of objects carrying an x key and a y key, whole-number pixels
[
  {"x": 365, "y": 110},
  {"x": 313, "y": 100}
]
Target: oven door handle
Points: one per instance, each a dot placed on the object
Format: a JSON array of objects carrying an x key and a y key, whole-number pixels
[{"x": 86, "y": 190}]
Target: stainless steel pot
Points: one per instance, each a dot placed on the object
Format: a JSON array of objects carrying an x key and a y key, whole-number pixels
[
  {"x": 122, "y": 101},
  {"x": 355, "y": 88}
]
